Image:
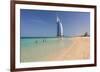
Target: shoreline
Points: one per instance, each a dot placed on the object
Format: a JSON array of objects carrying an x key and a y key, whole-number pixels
[{"x": 78, "y": 49}]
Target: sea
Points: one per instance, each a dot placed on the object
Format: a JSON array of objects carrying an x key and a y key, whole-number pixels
[{"x": 40, "y": 48}]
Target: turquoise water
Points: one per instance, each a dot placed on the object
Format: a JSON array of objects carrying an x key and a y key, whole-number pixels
[{"x": 38, "y": 49}]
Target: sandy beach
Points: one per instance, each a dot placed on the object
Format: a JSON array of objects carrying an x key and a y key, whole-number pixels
[{"x": 79, "y": 49}]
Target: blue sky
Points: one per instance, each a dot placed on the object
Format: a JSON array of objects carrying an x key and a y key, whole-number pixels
[{"x": 42, "y": 23}]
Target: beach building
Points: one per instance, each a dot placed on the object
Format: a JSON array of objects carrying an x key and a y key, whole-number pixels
[{"x": 59, "y": 28}]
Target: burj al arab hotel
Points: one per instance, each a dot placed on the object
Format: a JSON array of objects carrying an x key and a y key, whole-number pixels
[{"x": 59, "y": 28}]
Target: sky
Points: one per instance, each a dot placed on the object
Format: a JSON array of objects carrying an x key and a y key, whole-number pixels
[{"x": 43, "y": 23}]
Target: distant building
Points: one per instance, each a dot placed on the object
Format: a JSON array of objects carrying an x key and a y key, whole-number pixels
[
  {"x": 59, "y": 28},
  {"x": 86, "y": 34}
]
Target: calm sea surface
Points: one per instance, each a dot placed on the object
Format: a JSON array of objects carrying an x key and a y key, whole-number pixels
[{"x": 38, "y": 49}]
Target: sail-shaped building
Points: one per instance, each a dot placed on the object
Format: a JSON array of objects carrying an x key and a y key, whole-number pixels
[{"x": 59, "y": 28}]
